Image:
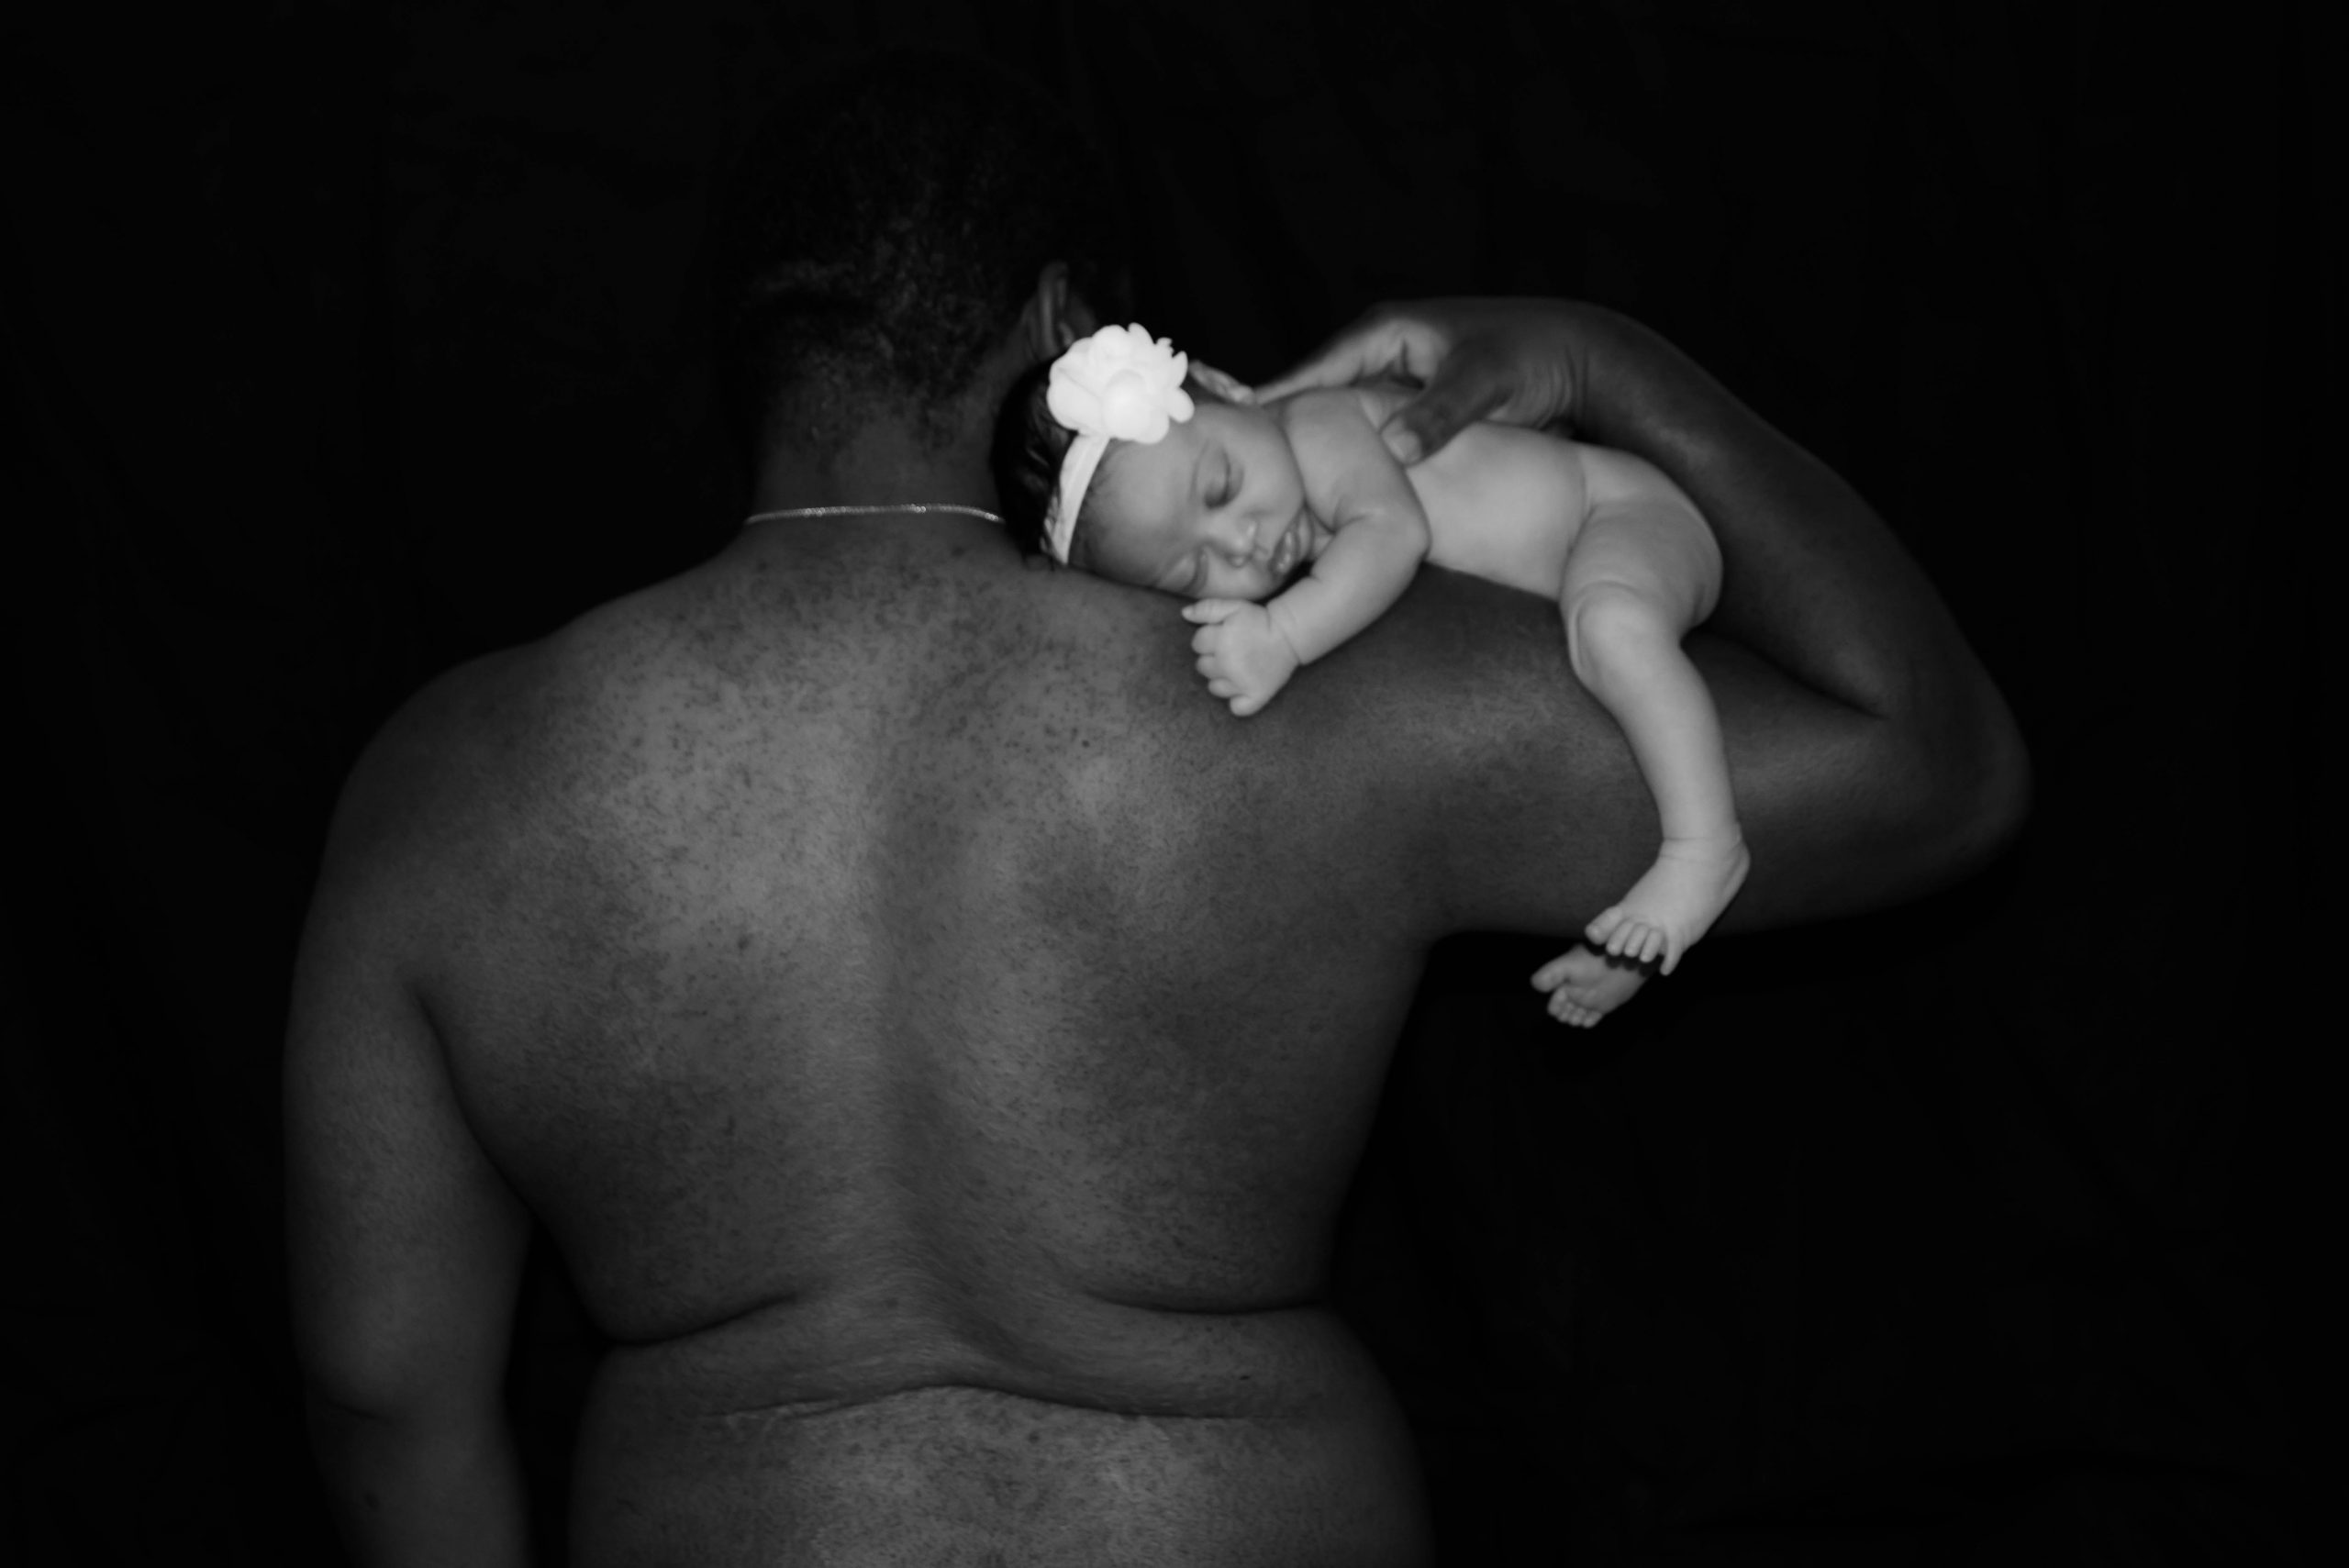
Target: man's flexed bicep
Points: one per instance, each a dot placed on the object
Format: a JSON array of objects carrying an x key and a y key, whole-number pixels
[
  {"x": 1533, "y": 815},
  {"x": 404, "y": 1245},
  {"x": 1871, "y": 756}
]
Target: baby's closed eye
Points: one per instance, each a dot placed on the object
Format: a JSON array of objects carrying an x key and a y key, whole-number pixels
[{"x": 1228, "y": 486}]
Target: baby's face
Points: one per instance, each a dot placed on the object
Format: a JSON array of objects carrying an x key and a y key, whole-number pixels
[{"x": 1215, "y": 511}]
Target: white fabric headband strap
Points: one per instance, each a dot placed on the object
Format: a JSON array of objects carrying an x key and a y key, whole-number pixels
[
  {"x": 1085, "y": 455},
  {"x": 1118, "y": 384}
]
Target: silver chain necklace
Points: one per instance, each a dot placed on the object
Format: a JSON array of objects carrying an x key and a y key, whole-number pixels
[{"x": 868, "y": 511}]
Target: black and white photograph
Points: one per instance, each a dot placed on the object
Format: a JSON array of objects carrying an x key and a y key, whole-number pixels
[{"x": 1170, "y": 784}]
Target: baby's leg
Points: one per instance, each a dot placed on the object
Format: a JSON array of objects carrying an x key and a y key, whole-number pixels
[{"x": 1635, "y": 581}]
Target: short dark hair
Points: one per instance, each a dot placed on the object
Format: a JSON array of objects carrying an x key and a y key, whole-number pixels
[
  {"x": 882, "y": 231},
  {"x": 1029, "y": 448}
]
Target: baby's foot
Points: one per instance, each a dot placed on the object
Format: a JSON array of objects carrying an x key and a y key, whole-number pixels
[
  {"x": 1584, "y": 987},
  {"x": 1676, "y": 903}
]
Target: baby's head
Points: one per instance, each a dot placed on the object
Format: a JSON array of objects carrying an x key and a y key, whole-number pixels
[{"x": 1196, "y": 491}]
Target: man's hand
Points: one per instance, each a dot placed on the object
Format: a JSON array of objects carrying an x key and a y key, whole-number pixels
[
  {"x": 1243, "y": 655},
  {"x": 1513, "y": 361}
]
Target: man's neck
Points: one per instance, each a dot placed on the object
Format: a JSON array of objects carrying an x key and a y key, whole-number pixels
[{"x": 886, "y": 464}]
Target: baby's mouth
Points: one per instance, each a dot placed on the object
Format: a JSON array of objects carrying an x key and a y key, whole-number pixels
[{"x": 1284, "y": 553}]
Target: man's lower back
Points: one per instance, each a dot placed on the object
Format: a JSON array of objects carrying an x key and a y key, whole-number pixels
[{"x": 1317, "y": 1471}]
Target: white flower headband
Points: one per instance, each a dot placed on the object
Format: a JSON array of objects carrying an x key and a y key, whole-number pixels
[{"x": 1118, "y": 384}]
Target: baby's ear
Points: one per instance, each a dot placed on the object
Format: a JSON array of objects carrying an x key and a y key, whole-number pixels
[{"x": 1219, "y": 385}]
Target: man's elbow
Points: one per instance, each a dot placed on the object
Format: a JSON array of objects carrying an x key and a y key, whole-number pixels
[
  {"x": 2009, "y": 800},
  {"x": 372, "y": 1368},
  {"x": 1980, "y": 791}
]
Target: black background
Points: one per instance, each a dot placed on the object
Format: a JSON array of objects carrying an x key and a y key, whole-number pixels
[{"x": 347, "y": 343}]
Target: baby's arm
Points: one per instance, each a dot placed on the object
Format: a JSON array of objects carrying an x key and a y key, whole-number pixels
[
  {"x": 1248, "y": 651},
  {"x": 1353, "y": 483}
]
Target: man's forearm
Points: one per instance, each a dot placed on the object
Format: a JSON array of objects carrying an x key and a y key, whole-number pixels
[
  {"x": 422, "y": 1490},
  {"x": 1817, "y": 585},
  {"x": 1817, "y": 582}
]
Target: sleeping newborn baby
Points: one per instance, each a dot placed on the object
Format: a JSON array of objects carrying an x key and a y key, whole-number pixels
[{"x": 1290, "y": 528}]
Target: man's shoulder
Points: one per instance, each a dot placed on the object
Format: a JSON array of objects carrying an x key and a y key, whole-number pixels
[
  {"x": 421, "y": 778},
  {"x": 477, "y": 737},
  {"x": 1489, "y": 655}
]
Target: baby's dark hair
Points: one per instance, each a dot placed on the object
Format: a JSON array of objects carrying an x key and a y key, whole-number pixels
[{"x": 1030, "y": 446}]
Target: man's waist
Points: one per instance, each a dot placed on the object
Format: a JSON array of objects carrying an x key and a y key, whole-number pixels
[
  {"x": 958, "y": 1474},
  {"x": 820, "y": 1354}
]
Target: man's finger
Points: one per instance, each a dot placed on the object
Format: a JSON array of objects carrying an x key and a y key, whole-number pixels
[
  {"x": 1381, "y": 344},
  {"x": 1462, "y": 391},
  {"x": 1339, "y": 366},
  {"x": 1403, "y": 439}
]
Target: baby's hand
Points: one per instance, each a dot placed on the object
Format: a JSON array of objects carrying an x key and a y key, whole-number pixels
[{"x": 1242, "y": 653}]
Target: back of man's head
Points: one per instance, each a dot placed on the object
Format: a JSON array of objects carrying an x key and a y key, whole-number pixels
[{"x": 882, "y": 232}]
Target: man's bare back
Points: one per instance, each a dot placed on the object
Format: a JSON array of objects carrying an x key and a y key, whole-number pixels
[
  {"x": 824, "y": 965},
  {"x": 937, "y": 1036}
]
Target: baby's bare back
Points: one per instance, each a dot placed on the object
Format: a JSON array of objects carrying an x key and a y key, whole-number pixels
[{"x": 1502, "y": 502}]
